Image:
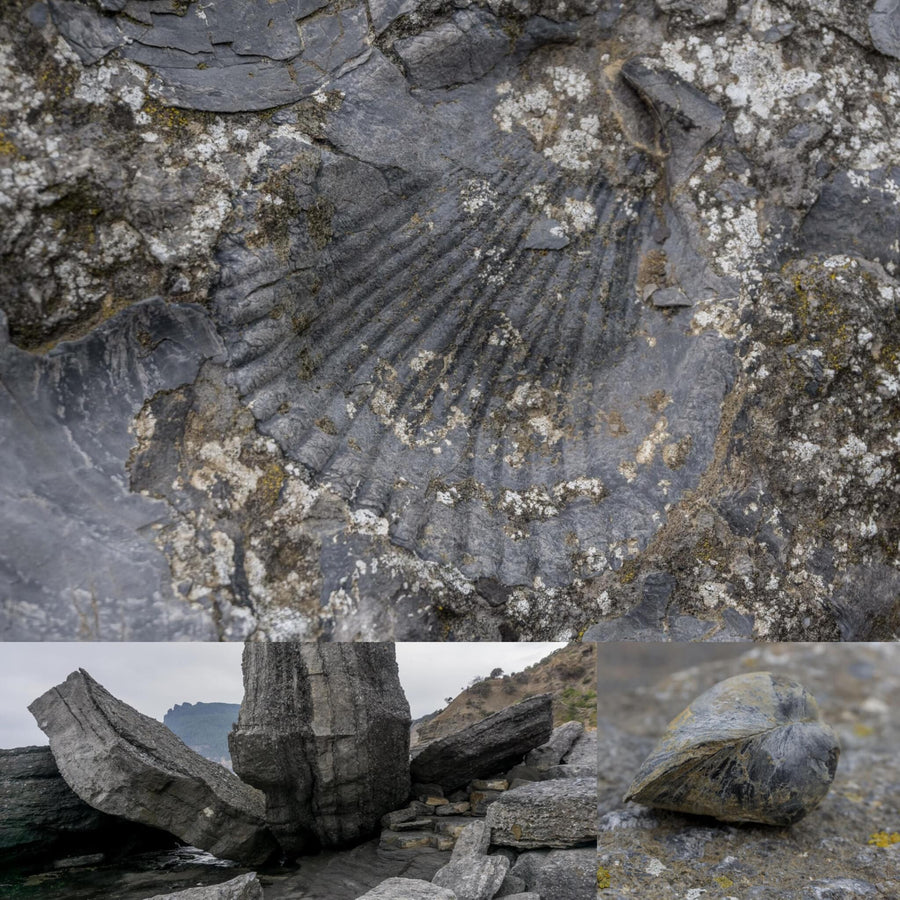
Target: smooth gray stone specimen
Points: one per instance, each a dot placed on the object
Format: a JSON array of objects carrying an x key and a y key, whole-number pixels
[
  {"x": 486, "y": 747},
  {"x": 244, "y": 887},
  {"x": 91, "y": 36},
  {"x": 558, "y": 813},
  {"x": 560, "y": 743},
  {"x": 473, "y": 878},
  {"x": 42, "y": 817},
  {"x": 569, "y": 873},
  {"x": 89, "y": 569},
  {"x": 125, "y": 763},
  {"x": 753, "y": 748},
  {"x": 884, "y": 27},
  {"x": 384, "y": 12},
  {"x": 408, "y": 889},
  {"x": 669, "y": 298},
  {"x": 473, "y": 841},
  {"x": 324, "y": 732}
]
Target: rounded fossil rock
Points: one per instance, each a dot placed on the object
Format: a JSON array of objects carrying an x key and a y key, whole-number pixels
[{"x": 753, "y": 748}]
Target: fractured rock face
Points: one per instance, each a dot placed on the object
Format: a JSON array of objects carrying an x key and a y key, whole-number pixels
[
  {"x": 558, "y": 813},
  {"x": 324, "y": 732},
  {"x": 487, "y": 747},
  {"x": 125, "y": 763}
]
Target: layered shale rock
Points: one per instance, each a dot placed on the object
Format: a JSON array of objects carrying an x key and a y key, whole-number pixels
[
  {"x": 124, "y": 763},
  {"x": 324, "y": 732},
  {"x": 41, "y": 817},
  {"x": 487, "y": 747}
]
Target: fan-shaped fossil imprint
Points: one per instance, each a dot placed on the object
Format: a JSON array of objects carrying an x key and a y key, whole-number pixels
[
  {"x": 753, "y": 748},
  {"x": 461, "y": 350}
]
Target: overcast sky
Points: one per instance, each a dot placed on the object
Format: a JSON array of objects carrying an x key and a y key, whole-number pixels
[{"x": 154, "y": 677}]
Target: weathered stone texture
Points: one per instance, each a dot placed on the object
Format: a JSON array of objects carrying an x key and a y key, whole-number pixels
[
  {"x": 487, "y": 747},
  {"x": 124, "y": 763},
  {"x": 324, "y": 732},
  {"x": 244, "y": 887}
]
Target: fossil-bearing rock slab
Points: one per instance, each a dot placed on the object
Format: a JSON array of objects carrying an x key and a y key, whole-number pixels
[
  {"x": 42, "y": 818},
  {"x": 496, "y": 312},
  {"x": 486, "y": 747},
  {"x": 324, "y": 732},
  {"x": 649, "y": 852},
  {"x": 126, "y": 764},
  {"x": 244, "y": 887},
  {"x": 557, "y": 813}
]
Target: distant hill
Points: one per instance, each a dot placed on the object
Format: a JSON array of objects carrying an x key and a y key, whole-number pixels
[
  {"x": 570, "y": 674},
  {"x": 204, "y": 727}
]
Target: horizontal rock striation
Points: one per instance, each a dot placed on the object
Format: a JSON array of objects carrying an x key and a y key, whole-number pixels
[
  {"x": 125, "y": 763},
  {"x": 324, "y": 732},
  {"x": 487, "y": 747}
]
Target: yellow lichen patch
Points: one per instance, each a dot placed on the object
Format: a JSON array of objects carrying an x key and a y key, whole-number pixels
[
  {"x": 603, "y": 879},
  {"x": 884, "y": 838},
  {"x": 517, "y": 832},
  {"x": 269, "y": 485},
  {"x": 861, "y": 730},
  {"x": 7, "y": 147},
  {"x": 724, "y": 882}
]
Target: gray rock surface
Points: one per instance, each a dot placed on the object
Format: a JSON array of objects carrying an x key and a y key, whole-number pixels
[
  {"x": 568, "y": 873},
  {"x": 244, "y": 887},
  {"x": 542, "y": 435},
  {"x": 473, "y": 878},
  {"x": 842, "y": 846},
  {"x": 324, "y": 732},
  {"x": 126, "y": 764},
  {"x": 561, "y": 741},
  {"x": 41, "y": 817},
  {"x": 558, "y": 813},
  {"x": 487, "y": 747},
  {"x": 408, "y": 889}
]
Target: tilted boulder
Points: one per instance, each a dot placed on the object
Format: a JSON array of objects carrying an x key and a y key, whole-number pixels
[
  {"x": 560, "y": 813},
  {"x": 42, "y": 817},
  {"x": 125, "y": 763},
  {"x": 324, "y": 732},
  {"x": 486, "y": 747},
  {"x": 244, "y": 887}
]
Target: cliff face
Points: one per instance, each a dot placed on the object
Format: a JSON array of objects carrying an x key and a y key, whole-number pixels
[
  {"x": 324, "y": 732},
  {"x": 498, "y": 321}
]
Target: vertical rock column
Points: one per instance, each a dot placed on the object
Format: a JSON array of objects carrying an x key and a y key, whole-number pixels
[{"x": 324, "y": 732}]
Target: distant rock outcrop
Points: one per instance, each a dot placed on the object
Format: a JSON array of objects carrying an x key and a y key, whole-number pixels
[
  {"x": 487, "y": 747},
  {"x": 204, "y": 727},
  {"x": 324, "y": 732},
  {"x": 127, "y": 764}
]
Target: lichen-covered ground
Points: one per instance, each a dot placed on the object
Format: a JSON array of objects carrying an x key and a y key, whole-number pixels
[{"x": 400, "y": 320}]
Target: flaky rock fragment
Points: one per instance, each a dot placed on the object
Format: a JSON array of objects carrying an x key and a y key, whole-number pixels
[
  {"x": 487, "y": 747},
  {"x": 125, "y": 763},
  {"x": 324, "y": 732},
  {"x": 753, "y": 748},
  {"x": 244, "y": 887}
]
